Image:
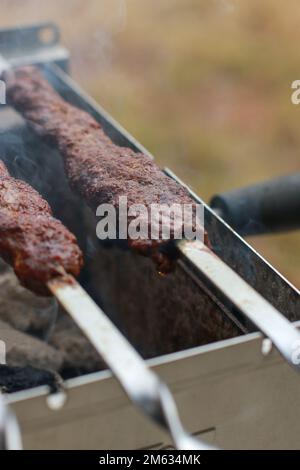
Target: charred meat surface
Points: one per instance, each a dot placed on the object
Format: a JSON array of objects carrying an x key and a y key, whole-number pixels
[
  {"x": 99, "y": 170},
  {"x": 35, "y": 243}
]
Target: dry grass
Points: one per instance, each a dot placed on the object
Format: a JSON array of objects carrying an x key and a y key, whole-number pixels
[{"x": 205, "y": 85}]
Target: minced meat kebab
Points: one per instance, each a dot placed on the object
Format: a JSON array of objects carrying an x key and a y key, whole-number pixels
[
  {"x": 98, "y": 169},
  {"x": 37, "y": 245}
]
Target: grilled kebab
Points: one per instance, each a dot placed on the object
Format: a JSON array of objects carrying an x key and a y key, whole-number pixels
[
  {"x": 99, "y": 170},
  {"x": 36, "y": 244}
]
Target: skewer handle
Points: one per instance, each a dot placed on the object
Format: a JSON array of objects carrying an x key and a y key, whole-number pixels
[{"x": 267, "y": 207}]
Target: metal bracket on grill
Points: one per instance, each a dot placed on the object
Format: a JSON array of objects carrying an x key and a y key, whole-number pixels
[{"x": 35, "y": 44}]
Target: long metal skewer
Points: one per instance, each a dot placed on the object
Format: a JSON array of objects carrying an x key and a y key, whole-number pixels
[
  {"x": 200, "y": 260},
  {"x": 142, "y": 386}
]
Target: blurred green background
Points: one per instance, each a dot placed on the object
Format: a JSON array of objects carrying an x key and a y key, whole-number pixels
[{"x": 204, "y": 85}]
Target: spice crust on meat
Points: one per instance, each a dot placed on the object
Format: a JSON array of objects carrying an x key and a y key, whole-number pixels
[
  {"x": 35, "y": 243},
  {"x": 98, "y": 169}
]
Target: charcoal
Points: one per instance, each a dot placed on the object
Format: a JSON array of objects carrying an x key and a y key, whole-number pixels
[
  {"x": 21, "y": 308},
  {"x": 14, "y": 379},
  {"x": 79, "y": 355}
]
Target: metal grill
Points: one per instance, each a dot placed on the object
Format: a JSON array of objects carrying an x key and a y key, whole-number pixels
[{"x": 238, "y": 292}]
